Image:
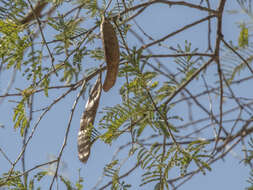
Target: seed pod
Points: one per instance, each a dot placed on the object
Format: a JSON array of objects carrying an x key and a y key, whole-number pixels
[
  {"x": 36, "y": 11},
  {"x": 84, "y": 136},
  {"x": 111, "y": 53}
]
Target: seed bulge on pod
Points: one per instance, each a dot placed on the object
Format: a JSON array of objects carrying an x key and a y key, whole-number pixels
[{"x": 111, "y": 53}]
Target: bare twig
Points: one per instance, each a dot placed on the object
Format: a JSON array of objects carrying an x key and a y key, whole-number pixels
[
  {"x": 122, "y": 176},
  {"x": 67, "y": 132}
]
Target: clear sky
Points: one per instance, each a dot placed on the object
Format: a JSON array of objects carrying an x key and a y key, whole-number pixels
[{"x": 47, "y": 141}]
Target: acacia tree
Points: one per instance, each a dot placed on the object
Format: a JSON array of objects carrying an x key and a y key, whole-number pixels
[{"x": 182, "y": 104}]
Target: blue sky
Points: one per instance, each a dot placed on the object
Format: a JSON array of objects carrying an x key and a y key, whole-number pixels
[{"x": 46, "y": 142}]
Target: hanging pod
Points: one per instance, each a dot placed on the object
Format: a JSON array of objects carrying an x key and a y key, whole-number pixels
[
  {"x": 111, "y": 53},
  {"x": 85, "y": 138},
  {"x": 37, "y": 9}
]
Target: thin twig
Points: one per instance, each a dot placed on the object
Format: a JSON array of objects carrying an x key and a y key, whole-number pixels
[
  {"x": 122, "y": 176},
  {"x": 42, "y": 35},
  {"x": 67, "y": 131},
  {"x": 235, "y": 52},
  {"x": 177, "y": 31}
]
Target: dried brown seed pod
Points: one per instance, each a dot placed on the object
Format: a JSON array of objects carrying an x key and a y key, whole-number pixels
[
  {"x": 111, "y": 53},
  {"x": 36, "y": 11},
  {"x": 87, "y": 121}
]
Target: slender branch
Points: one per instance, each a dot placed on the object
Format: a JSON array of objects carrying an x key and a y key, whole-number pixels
[
  {"x": 196, "y": 73},
  {"x": 177, "y": 31},
  {"x": 5, "y": 156},
  {"x": 67, "y": 131},
  {"x": 219, "y": 37},
  {"x": 170, "y": 3},
  {"x": 35, "y": 127},
  {"x": 235, "y": 52},
  {"x": 122, "y": 176},
  {"x": 177, "y": 55},
  {"x": 41, "y": 6},
  {"x": 28, "y": 171}
]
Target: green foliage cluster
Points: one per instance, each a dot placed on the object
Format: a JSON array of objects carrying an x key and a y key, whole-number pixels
[{"x": 16, "y": 183}]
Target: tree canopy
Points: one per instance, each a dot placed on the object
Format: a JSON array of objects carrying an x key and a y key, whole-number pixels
[{"x": 162, "y": 90}]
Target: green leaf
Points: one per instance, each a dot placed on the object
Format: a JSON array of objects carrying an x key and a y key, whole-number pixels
[
  {"x": 19, "y": 118},
  {"x": 243, "y": 40},
  {"x": 45, "y": 84}
]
